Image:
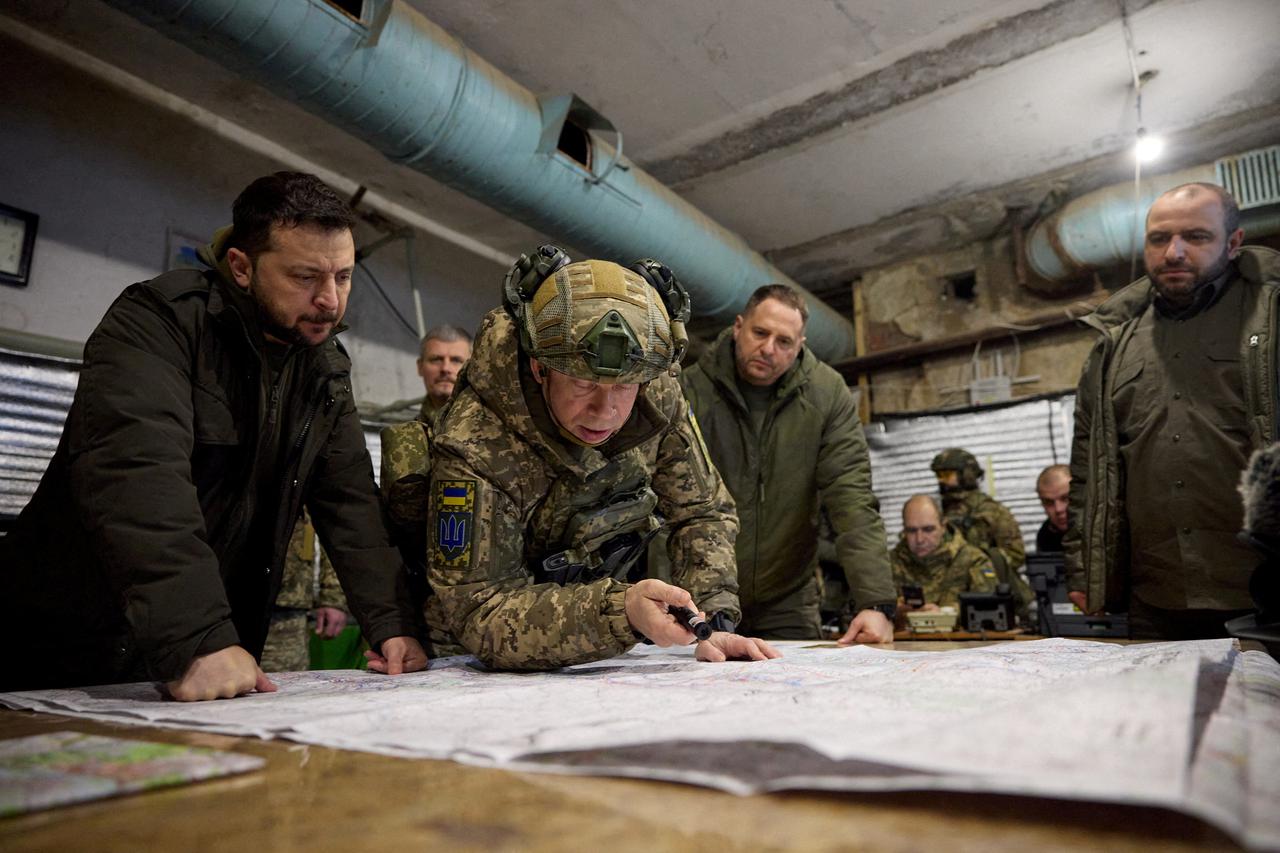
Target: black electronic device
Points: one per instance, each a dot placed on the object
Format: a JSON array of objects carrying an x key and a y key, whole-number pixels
[
  {"x": 1058, "y": 616},
  {"x": 988, "y": 611},
  {"x": 913, "y": 595}
]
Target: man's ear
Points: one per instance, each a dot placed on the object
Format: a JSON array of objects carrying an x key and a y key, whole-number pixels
[
  {"x": 1233, "y": 242},
  {"x": 241, "y": 267},
  {"x": 536, "y": 369}
]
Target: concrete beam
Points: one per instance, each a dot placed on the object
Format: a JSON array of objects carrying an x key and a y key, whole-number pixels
[
  {"x": 830, "y": 261},
  {"x": 915, "y": 76}
]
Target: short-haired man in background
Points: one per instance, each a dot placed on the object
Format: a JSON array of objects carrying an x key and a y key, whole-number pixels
[
  {"x": 934, "y": 556},
  {"x": 1053, "y": 487},
  {"x": 445, "y": 350}
]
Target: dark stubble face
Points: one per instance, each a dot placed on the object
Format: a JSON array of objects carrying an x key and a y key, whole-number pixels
[{"x": 277, "y": 323}]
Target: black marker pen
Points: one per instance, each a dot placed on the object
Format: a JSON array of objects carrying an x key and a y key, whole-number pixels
[{"x": 691, "y": 620}]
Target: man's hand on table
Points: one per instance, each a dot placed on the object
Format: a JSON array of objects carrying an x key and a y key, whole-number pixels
[
  {"x": 223, "y": 674},
  {"x": 869, "y": 626},
  {"x": 329, "y": 621},
  {"x": 399, "y": 655},
  {"x": 722, "y": 646},
  {"x": 646, "y": 604}
]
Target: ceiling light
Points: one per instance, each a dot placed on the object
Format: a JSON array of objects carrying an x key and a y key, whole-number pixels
[{"x": 1148, "y": 147}]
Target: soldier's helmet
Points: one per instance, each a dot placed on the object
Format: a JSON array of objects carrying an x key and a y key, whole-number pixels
[
  {"x": 596, "y": 320},
  {"x": 957, "y": 459}
]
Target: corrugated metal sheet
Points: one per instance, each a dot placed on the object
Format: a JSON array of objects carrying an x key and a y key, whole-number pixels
[
  {"x": 35, "y": 394},
  {"x": 1013, "y": 443}
]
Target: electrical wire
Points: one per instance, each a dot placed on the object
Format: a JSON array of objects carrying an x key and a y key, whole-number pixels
[
  {"x": 377, "y": 285},
  {"x": 1137, "y": 161}
]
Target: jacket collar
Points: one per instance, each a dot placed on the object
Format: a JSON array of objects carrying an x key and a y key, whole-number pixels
[
  {"x": 1256, "y": 265},
  {"x": 719, "y": 364}
]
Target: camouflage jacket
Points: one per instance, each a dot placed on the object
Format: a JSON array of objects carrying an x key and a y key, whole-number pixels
[
  {"x": 987, "y": 524},
  {"x": 429, "y": 413},
  {"x": 955, "y": 567},
  {"x": 507, "y": 491},
  {"x": 297, "y": 588}
]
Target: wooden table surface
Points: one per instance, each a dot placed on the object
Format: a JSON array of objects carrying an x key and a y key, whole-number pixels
[{"x": 315, "y": 799}]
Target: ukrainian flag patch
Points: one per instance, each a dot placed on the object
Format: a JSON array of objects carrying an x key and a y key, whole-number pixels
[{"x": 455, "y": 521}]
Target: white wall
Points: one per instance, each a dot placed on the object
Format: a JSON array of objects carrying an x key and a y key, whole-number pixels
[{"x": 109, "y": 176}]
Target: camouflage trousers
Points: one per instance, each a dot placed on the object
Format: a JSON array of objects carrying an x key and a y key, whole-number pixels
[{"x": 288, "y": 646}]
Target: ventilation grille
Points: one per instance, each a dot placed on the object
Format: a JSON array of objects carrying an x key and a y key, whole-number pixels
[{"x": 1253, "y": 178}]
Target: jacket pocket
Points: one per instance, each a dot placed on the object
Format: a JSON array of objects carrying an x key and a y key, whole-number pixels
[{"x": 213, "y": 422}]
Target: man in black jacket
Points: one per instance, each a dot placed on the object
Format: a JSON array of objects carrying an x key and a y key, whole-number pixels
[{"x": 211, "y": 408}]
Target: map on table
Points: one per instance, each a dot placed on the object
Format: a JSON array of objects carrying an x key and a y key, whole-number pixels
[
  {"x": 42, "y": 771},
  {"x": 1192, "y": 726}
]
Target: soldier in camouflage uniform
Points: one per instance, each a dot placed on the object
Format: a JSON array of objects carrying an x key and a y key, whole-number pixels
[
  {"x": 934, "y": 556},
  {"x": 985, "y": 522},
  {"x": 445, "y": 350},
  {"x": 566, "y": 447},
  {"x": 288, "y": 649}
]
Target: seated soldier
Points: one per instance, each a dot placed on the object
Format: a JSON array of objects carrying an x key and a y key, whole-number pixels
[
  {"x": 1053, "y": 487},
  {"x": 566, "y": 447},
  {"x": 934, "y": 556}
]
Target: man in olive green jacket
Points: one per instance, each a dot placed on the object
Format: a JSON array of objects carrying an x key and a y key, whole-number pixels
[
  {"x": 1179, "y": 389},
  {"x": 782, "y": 429}
]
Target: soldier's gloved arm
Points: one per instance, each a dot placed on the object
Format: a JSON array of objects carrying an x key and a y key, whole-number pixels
[
  {"x": 701, "y": 517},
  {"x": 487, "y": 595},
  {"x": 843, "y": 478}
]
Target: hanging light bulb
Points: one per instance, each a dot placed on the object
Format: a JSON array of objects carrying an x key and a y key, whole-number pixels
[{"x": 1147, "y": 147}]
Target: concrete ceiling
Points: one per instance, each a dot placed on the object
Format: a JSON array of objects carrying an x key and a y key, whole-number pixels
[{"x": 833, "y": 135}]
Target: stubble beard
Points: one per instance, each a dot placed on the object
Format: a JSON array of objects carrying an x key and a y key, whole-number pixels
[
  {"x": 273, "y": 321},
  {"x": 1203, "y": 278}
]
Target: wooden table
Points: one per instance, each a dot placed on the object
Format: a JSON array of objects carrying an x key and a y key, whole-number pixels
[{"x": 312, "y": 799}]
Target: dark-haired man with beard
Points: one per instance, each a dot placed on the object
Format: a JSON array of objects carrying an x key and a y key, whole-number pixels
[
  {"x": 1178, "y": 391},
  {"x": 212, "y": 407}
]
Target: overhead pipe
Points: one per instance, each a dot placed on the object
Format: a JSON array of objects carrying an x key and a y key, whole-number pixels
[
  {"x": 418, "y": 95},
  {"x": 1101, "y": 228}
]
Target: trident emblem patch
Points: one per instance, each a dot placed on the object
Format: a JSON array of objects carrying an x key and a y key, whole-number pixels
[{"x": 455, "y": 518}]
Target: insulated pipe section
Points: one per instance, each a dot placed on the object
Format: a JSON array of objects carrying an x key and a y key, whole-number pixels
[
  {"x": 415, "y": 93},
  {"x": 1100, "y": 228}
]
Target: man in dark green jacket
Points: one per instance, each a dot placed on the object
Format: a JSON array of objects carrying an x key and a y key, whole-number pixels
[
  {"x": 211, "y": 408},
  {"x": 782, "y": 428},
  {"x": 1178, "y": 391}
]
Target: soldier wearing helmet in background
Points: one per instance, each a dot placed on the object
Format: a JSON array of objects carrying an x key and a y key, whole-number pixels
[
  {"x": 567, "y": 446},
  {"x": 985, "y": 522}
]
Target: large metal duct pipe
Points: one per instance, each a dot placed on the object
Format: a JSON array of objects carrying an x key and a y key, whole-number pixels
[
  {"x": 408, "y": 88},
  {"x": 1101, "y": 228}
]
